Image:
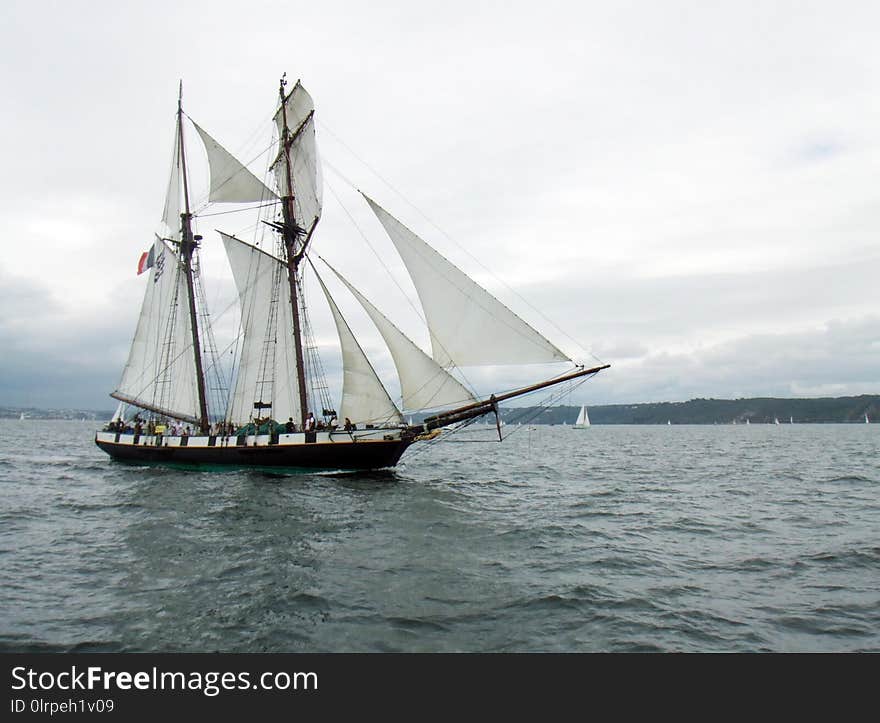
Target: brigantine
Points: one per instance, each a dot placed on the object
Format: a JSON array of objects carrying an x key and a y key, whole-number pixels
[{"x": 173, "y": 376}]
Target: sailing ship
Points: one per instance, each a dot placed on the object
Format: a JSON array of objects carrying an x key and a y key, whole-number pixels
[
  {"x": 274, "y": 407},
  {"x": 583, "y": 419}
]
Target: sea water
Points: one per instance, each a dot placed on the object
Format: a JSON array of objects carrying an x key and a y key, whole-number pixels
[{"x": 612, "y": 538}]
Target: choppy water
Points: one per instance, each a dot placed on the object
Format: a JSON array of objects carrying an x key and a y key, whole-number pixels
[{"x": 615, "y": 538}]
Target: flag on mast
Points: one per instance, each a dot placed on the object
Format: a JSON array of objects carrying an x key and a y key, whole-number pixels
[{"x": 147, "y": 259}]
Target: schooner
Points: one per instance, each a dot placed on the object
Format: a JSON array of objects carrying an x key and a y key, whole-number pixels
[{"x": 277, "y": 411}]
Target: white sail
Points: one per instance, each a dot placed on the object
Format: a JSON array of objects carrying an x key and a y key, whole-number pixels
[
  {"x": 171, "y": 213},
  {"x": 424, "y": 384},
  {"x": 468, "y": 325},
  {"x": 305, "y": 165},
  {"x": 364, "y": 399},
  {"x": 267, "y": 366},
  {"x": 231, "y": 182},
  {"x": 583, "y": 419},
  {"x": 161, "y": 371}
]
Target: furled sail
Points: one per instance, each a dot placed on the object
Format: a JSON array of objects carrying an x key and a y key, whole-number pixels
[
  {"x": 231, "y": 181},
  {"x": 161, "y": 373},
  {"x": 267, "y": 366},
  {"x": 305, "y": 166},
  {"x": 468, "y": 325},
  {"x": 423, "y": 383},
  {"x": 364, "y": 399}
]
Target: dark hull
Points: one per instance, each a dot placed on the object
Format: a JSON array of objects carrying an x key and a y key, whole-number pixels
[{"x": 347, "y": 455}]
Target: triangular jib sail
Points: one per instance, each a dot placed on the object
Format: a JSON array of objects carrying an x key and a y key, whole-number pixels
[
  {"x": 424, "y": 384},
  {"x": 364, "y": 399},
  {"x": 468, "y": 325}
]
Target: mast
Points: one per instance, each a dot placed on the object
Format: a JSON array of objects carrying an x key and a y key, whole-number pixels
[
  {"x": 290, "y": 233},
  {"x": 188, "y": 245}
]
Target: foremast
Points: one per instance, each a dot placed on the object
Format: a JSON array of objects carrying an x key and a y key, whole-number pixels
[{"x": 188, "y": 245}]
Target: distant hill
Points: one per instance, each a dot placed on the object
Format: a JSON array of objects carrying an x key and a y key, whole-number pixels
[
  {"x": 761, "y": 410},
  {"x": 34, "y": 413}
]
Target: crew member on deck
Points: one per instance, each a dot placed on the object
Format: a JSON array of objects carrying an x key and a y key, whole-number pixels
[
  {"x": 290, "y": 427},
  {"x": 310, "y": 423}
]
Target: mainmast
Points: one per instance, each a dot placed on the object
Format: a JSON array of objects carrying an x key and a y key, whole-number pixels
[
  {"x": 188, "y": 245},
  {"x": 291, "y": 234}
]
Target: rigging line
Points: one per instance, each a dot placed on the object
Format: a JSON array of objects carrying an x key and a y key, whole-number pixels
[
  {"x": 460, "y": 246},
  {"x": 388, "y": 271},
  {"x": 542, "y": 406},
  {"x": 235, "y": 210},
  {"x": 548, "y": 402}
]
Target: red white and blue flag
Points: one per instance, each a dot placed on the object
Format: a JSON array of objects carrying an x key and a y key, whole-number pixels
[{"x": 147, "y": 259}]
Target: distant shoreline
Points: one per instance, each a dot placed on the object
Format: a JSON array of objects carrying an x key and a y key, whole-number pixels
[{"x": 755, "y": 410}]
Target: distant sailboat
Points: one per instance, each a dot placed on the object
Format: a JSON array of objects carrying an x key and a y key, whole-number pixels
[
  {"x": 583, "y": 420},
  {"x": 867, "y": 421},
  {"x": 668, "y": 422},
  {"x": 22, "y": 417},
  {"x": 791, "y": 420},
  {"x": 747, "y": 421},
  {"x": 775, "y": 420}
]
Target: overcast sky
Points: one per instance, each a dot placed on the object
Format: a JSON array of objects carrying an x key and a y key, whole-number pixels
[{"x": 687, "y": 191}]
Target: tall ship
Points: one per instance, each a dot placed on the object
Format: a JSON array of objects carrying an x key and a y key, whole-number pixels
[{"x": 271, "y": 406}]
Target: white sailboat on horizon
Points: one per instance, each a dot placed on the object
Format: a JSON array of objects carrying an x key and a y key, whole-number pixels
[{"x": 583, "y": 420}]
